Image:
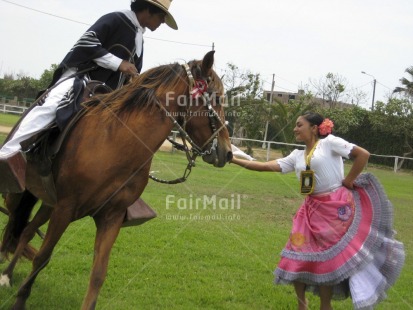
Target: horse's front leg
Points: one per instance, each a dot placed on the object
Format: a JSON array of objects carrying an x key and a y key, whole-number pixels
[{"x": 106, "y": 234}]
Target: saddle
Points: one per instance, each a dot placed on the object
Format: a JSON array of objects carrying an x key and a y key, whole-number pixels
[{"x": 41, "y": 150}]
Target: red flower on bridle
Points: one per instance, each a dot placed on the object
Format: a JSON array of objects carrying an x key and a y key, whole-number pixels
[
  {"x": 326, "y": 127},
  {"x": 199, "y": 89}
]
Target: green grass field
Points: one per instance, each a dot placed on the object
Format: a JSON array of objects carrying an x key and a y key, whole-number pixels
[
  {"x": 8, "y": 119},
  {"x": 193, "y": 257}
]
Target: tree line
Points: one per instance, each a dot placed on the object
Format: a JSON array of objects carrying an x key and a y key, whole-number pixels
[{"x": 23, "y": 86}]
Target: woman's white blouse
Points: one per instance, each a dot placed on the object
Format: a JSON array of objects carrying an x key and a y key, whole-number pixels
[{"x": 326, "y": 162}]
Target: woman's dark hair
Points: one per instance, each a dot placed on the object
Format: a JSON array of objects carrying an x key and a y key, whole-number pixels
[
  {"x": 314, "y": 119},
  {"x": 142, "y": 5}
]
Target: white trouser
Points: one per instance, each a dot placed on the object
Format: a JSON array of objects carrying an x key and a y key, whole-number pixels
[{"x": 38, "y": 118}]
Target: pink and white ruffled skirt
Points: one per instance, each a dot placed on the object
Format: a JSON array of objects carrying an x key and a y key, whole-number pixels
[{"x": 344, "y": 239}]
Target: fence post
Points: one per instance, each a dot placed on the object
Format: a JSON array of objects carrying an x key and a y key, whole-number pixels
[
  {"x": 268, "y": 150},
  {"x": 174, "y": 139},
  {"x": 396, "y": 163}
]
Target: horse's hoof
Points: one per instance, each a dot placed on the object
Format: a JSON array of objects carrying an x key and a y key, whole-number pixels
[{"x": 4, "y": 280}]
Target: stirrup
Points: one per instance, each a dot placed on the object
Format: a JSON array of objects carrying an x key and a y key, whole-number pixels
[
  {"x": 13, "y": 173},
  {"x": 138, "y": 213}
]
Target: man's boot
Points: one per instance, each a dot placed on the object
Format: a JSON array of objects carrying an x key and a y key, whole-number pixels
[{"x": 12, "y": 173}]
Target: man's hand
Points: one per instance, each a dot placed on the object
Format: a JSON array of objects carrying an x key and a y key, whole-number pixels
[{"x": 128, "y": 68}]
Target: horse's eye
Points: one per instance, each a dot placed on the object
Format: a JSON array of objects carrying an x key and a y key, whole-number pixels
[{"x": 217, "y": 100}]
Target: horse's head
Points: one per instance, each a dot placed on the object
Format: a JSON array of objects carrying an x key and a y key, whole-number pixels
[
  {"x": 190, "y": 96},
  {"x": 205, "y": 122}
]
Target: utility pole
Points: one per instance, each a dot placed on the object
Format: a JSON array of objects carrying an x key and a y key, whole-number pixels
[
  {"x": 374, "y": 89},
  {"x": 374, "y": 92},
  {"x": 266, "y": 124}
]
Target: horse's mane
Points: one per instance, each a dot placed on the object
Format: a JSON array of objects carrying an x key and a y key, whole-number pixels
[{"x": 141, "y": 92}]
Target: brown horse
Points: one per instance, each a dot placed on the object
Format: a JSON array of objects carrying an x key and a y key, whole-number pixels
[{"x": 103, "y": 165}]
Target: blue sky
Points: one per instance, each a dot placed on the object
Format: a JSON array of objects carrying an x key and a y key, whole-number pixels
[{"x": 297, "y": 40}]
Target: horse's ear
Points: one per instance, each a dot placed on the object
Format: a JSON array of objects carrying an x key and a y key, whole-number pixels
[{"x": 208, "y": 62}]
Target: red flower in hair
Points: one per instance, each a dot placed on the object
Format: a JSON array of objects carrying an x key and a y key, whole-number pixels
[{"x": 326, "y": 127}]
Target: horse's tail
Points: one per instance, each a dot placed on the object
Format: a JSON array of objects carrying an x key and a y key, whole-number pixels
[{"x": 20, "y": 207}]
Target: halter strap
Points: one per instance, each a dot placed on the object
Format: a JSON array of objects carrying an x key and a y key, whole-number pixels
[
  {"x": 190, "y": 76},
  {"x": 191, "y": 154}
]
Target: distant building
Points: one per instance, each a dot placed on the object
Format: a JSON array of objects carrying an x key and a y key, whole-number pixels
[
  {"x": 286, "y": 97},
  {"x": 281, "y": 96}
]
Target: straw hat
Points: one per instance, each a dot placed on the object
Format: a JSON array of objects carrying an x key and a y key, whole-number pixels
[{"x": 164, "y": 6}]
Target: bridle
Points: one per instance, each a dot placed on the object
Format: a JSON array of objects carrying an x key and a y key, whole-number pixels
[{"x": 197, "y": 88}]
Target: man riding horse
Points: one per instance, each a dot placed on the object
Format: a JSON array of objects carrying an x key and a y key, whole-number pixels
[{"x": 110, "y": 51}]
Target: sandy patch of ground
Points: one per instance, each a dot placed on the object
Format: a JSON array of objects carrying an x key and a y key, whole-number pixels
[{"x": 5, "y": 129}]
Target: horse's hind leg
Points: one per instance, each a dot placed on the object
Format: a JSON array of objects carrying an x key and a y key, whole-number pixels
[
  {"x": 19, "y": 207},
  {"x": 106, "y": 234},
  {"x": 59, "y": 220},
  {"x": 41, "y": 217}
]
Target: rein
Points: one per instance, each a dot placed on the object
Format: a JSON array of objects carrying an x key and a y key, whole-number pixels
[{"x": 197, "y": 88}]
